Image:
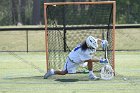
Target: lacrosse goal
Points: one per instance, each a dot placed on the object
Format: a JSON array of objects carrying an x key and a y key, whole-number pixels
[{"x": 69, "y": 23}]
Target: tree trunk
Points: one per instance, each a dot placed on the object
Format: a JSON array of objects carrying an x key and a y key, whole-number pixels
[
  {"x": 36, "y": 12},
  {"x": 23, "y": 4},
  {"x": 14, "y": 12},
  {"x": 19, "y": 13}
]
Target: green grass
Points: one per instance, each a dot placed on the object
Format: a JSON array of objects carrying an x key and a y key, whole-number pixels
[{"x": 18, "y": 76}]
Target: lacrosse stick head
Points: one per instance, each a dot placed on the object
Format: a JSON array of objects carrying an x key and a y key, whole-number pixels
[{"x": 107, "y": 72}]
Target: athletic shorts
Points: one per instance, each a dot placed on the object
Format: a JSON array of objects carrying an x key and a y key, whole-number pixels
[{"x": 70, "y": 66}]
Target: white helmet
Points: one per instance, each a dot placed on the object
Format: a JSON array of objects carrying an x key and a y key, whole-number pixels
[{"x": 91, "y": 42}]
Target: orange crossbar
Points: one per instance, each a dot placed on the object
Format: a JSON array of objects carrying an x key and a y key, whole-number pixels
[{"x": 78, "y": 3}]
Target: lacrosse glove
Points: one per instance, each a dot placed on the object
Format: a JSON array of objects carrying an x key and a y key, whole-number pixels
[
  {"x": 104, "y": 44},
  {"x": 102, "y": 60}
]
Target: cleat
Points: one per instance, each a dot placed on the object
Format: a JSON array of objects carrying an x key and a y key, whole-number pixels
[
  {"x": 93, "y": 77},
  {"x": 96, "y": 78},
  {"x": 49, "y": 73}
]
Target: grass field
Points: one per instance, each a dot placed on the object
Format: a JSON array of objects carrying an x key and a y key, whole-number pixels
[
  {"x": 19, "y": 76},
  {"x": 24, "y": 73}
]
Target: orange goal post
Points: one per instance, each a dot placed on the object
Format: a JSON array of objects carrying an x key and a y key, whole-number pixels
[{"x": 69, "y": 23}]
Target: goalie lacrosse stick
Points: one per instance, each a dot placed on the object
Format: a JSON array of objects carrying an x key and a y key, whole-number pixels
[{"x": 107, "y": 72}]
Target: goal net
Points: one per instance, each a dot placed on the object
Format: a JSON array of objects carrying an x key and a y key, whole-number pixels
[{"x": 69, "y": 23}]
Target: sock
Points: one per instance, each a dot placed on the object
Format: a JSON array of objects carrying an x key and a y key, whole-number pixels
[
  {"x": 52, "y": 71},
  {"x": 91, "y": 72}
]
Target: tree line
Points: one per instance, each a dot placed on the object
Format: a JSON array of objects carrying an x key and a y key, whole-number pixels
[{"x": 30, "y": 12}]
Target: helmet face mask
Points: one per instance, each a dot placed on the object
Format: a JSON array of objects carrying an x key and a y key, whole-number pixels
[
  {"x": 92, "y": 43},
  {"x": 92, "y": 49}
]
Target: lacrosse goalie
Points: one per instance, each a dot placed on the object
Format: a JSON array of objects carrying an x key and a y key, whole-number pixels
[{"x": 81, "y": 54}]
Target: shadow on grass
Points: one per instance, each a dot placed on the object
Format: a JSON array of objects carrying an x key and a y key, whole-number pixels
[
  {"x": 31, "y": 77},
  {"x": 37, "y": 78},
  {"x": 67, "y": 80},
  {"x": 41, "y": 77}
]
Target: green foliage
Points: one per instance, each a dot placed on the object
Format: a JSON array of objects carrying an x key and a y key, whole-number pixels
[
  {"x": 128, "y": 11},
  {"x": 5, "y": 18}
]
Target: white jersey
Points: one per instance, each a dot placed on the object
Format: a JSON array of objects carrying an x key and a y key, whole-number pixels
[{"x": 78, "y": 55}]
